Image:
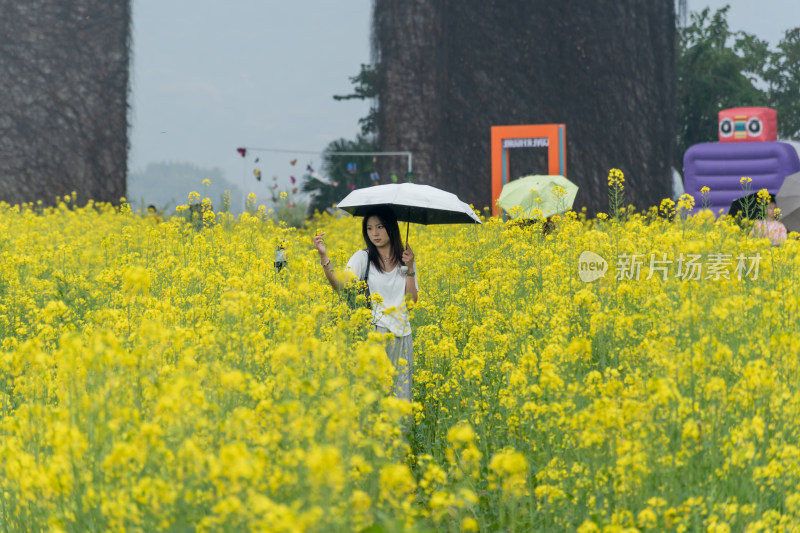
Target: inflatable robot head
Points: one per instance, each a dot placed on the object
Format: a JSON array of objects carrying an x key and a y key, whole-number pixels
[{"x": 748, "y": 124}]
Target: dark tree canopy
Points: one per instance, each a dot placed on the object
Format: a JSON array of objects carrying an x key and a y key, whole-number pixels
[
  {"x": 449, "y": 70},
  {"x": 63, "y": 115}
]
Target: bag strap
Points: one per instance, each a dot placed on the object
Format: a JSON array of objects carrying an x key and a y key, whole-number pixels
[{"x": 366, "y": 289}]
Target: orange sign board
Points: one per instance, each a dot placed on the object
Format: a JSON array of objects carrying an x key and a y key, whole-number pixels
[{"x": 506, "y": 138}]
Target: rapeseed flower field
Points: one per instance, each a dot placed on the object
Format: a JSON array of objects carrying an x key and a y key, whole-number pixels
[{"x": 633, "y": 372}]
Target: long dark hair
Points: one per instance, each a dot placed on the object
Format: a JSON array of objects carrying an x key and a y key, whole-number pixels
[{"x": 389, "y": 221}]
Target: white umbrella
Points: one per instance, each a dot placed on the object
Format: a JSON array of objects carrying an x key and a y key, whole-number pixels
[
  {"x": 421, "y": 204},
  {"x": 788, "y": 200}
]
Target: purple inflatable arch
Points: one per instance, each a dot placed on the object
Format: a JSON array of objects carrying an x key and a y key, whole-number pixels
[{"x": 720, "y": 166}]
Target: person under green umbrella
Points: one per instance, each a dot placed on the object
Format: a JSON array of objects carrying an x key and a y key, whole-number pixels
[{"x": 537, "y": 196}]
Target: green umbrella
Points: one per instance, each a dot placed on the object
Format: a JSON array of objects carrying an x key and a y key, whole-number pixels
[{"x": 537, "y": 196}]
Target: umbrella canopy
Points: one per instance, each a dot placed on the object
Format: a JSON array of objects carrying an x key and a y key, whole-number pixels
[
  {"x": 748, "y": 206},
  {"x": 538, "y": 192},
  {"x": 411, "y": 202},
  {"x": 788, "y": 200}
]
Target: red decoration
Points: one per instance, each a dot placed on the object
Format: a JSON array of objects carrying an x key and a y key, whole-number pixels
[
  {"x": 242, "y": 151},
  {"x": 748, "y": 124}
]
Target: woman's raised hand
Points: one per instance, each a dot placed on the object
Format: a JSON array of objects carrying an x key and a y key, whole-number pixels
[
  {"x": 408, "y": 257},
  {"x": 319, "y": 244}
]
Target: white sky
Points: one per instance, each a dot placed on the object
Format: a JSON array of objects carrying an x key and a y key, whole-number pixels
[
  {"x": 209, "y": 76},
  {"x": 767, "y": 19}
]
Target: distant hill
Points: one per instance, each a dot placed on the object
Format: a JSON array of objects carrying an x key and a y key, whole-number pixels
[{"x": 166, "y": 185}]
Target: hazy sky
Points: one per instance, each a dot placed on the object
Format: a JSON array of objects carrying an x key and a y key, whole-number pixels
[{"x": 210, "y": 76}]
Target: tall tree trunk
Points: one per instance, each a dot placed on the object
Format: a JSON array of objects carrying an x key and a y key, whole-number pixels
[
  {"x": 604, "y": 68},
  {"x": 63, "y": 115},
  {"x": 407, "y": 42}
]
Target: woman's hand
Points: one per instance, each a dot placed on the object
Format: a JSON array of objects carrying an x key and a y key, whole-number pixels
[
  {"x": 320, "y": 245},
  {"x": 411, "y": 284},
  {"x": 408, "y": 258}
]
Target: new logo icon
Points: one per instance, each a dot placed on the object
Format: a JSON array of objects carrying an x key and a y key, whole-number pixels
[{"x": 591, "y": 266}]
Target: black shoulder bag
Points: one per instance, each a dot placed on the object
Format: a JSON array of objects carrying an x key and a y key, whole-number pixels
[
  {"x": 366, "y": 286},
  {"x": 351, "y": 293}
]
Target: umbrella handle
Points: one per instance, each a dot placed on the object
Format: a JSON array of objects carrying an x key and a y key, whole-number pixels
[{"x": 404, "y": 268}]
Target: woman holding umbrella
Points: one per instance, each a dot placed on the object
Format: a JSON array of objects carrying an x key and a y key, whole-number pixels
[{"x": 390, "y": 271}]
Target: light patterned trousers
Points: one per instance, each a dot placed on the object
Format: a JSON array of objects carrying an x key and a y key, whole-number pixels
[{"x": 401, "y": 353}]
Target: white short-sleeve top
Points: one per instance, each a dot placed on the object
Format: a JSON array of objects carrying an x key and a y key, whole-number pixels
[{"x": 392, "y": 312}]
